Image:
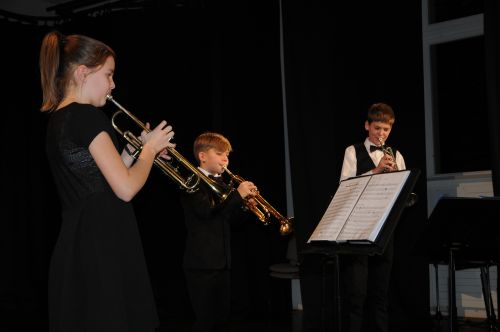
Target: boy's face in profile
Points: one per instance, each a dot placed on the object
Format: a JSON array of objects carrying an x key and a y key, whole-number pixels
[
  {"x": 378, "y": 131},
  {"x": 213, "y": 160}
]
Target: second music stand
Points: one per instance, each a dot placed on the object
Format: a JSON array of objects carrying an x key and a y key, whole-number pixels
[{"x": 464, "y": 231}]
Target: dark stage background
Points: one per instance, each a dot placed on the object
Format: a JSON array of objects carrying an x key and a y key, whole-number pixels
[
  {"x": 201, "y": 66},
  {"x": 215, "y": 65}
]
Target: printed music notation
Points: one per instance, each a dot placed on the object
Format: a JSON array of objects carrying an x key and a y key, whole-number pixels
[{"x": 360, "y": 207}]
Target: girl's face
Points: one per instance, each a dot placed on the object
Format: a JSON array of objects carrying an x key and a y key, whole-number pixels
[
  {"x": 378, "y": 131},
  {"x": 213, "y": 160},
  {"x": 99, "y": 83}
]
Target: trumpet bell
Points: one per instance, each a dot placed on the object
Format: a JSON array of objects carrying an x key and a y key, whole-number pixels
[
  {"x": 286, "y": 226},
  {"x": 263, "y": 210}
]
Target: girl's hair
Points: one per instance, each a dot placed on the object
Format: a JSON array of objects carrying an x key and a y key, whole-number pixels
[
  {"x": 210, "y": 140},
  {"x": 380, "y": 112},
  {"x": 59, "y": 56}
]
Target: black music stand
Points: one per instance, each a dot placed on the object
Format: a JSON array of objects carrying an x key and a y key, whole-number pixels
[
  {"x": 464, "y": 231},
  {"x": 330, "y": 250}
]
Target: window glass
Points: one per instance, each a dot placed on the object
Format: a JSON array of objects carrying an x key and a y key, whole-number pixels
[{"x": 460, "y": 109}]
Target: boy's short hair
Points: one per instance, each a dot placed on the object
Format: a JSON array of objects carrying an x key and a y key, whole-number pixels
[
  {"x": 210, "y": 140},
  {"x": 381, "y": 112}
]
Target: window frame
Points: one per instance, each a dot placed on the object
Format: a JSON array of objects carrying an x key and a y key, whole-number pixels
[{"x": 433, "y": 34}]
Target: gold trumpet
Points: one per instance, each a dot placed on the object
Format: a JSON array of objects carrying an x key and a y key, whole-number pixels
[
  {"x": 263, "y": 210},
  {"x": 189, "y": 183}
]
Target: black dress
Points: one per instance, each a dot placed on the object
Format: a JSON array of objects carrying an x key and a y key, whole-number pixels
[{"x": 98, "y": 278}]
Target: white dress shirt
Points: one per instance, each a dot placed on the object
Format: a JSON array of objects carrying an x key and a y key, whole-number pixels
[{"x": 350, "y": 162}]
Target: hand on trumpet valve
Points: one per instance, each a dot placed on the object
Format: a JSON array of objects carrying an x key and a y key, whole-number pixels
[
  {"x": 247, "y": 189},
  {"x": 251, "y": 201},
  {"x": 158, "y": 138},
  {"x": 386, "y": 164},
  {"x": 164, "y": 154}
]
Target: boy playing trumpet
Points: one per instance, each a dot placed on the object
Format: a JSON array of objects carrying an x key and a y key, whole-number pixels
[{"x": 366, "y": 278}]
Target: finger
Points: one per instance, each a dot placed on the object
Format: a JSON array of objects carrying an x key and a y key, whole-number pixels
[
  {"x": 161, "y": 125},
  {"x": 165, "y": 156}
]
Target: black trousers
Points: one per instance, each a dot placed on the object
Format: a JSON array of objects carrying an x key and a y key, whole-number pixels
[
  {"x": 209, "y": 292},
  {"x": 365, "y": 291}
]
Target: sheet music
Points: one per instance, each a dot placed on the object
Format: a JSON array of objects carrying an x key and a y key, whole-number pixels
[
  {"x": 360, "y": 207},
  {"x": 339, "y": 209},
  {"x": 373, "y": 207}
]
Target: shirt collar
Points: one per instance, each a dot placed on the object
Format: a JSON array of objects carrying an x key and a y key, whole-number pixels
[
  {"x": 207, "y": 173},
  {"x": 367, "y": 144}
]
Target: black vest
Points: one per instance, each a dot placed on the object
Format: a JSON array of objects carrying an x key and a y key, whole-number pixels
[{"x": 363, "y": 161}]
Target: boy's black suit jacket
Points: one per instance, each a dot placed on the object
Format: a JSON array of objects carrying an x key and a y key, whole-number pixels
[{"x": 208, "y": 227}]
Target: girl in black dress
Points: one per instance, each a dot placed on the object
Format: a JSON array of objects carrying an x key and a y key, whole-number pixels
[{"x": 98, "y": 279}]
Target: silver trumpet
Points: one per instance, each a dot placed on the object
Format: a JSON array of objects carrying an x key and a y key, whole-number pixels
[
  {"x": 413, "y": 197},
  {"x": 388, "y": 151}
]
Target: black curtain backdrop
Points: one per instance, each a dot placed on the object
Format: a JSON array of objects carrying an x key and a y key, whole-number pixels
[
  {"x": 492, "y": 70},
  {"x": 341, "y": 57},
  {"x": 202, "y": 66}
]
